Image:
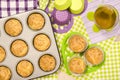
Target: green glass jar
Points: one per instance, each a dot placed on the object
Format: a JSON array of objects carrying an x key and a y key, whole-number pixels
[{"x": 106, "y": 17}]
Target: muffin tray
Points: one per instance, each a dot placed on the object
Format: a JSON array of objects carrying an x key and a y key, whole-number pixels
[{"x": 33, "y": 55}]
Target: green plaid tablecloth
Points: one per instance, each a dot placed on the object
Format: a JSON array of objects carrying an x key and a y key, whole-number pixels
[{"x": 109, "y": 71}]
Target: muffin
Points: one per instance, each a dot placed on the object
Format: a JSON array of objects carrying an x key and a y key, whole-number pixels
[
  {"x": 36, "y": 21},
  {"x": 13, "y": 27},
  {"x": 77, "y": 43},
  {"x": 77, "y": 65},
  {"x": 47, "y": 63},
  {"x": 2, "y": 54},
  {"x": 41, "y": 42},
  {"x": 94, "y": 55},
  {"x": 5, "y": 73},
  {"x": 25, "y": 68},
  {"x": 19, "y": 48}
]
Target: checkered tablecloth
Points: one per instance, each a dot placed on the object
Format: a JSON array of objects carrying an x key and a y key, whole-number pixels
[
  {"x": 109, "y": 71},
  {"x": 10, "y": 7},
  {"x": 111, "y": 68}
]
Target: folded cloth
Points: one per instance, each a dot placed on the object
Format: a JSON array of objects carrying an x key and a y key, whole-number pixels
[{"x": 10, "y": 7}]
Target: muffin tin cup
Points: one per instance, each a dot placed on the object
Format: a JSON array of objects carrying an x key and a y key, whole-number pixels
[
  {"x": 28, "y": 35},
  {"x": 19, "y": 22},
  {"x": 9, "y": 70},
  {"x": 26, "y": 45},
  {"x": 34, "y": 44},
  {"x": 77, "y": 56},
  {"x": 35, "y": 29},
  {"x": 4, "y": 56},
  {"x": 83, "y": 38},
  {"x": 49, "y": 55},
  {"x": 90, "y": 64},
  {"x": 17, "y": 66}
]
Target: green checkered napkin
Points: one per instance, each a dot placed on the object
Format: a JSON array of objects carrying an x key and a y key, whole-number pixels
[{"x": 111, "y": 68}]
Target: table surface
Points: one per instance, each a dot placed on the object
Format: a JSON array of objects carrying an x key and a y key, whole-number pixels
[{"x": 111, "y": 68}]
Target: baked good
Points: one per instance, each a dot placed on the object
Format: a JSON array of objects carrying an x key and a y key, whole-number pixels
[
  {"x": 77, "y": 43},
  {"x": 36, "y": 21},
  {"x": 13, "y": 27},
  {"x": 77, "y": 65},
  {"x": 47, "y": 62},
  {"x": 41, "y": 42},
  {"x": 25, "y": 68},
  {"x": 2, "y": 54},
  {"x": 19, "y": 48},
  {"x": 94, "y": 55},
  {"x": 5, "y": 73}
]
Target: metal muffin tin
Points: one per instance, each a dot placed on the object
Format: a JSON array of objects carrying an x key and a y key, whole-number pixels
[{"x": 28, "y": 35}]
